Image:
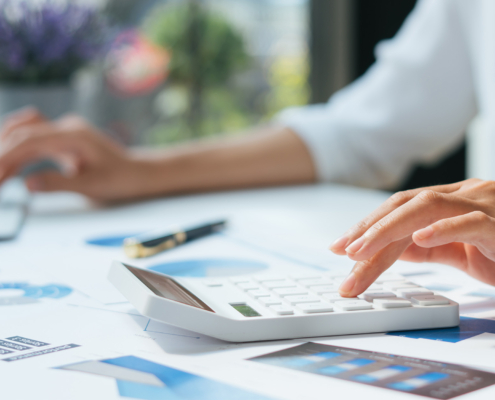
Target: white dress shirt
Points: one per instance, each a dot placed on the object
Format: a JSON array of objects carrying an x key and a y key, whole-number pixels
[{"x": 414, "y": 104}]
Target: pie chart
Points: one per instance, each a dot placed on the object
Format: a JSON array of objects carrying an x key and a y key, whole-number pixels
[{"x": 17, "y": 293}]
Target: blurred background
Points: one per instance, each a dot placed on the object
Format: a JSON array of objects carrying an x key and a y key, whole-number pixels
[{"x": 161, "y": 72}]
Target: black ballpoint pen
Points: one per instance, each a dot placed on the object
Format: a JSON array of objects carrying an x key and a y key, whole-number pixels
[{"x": 151, "y": 243}]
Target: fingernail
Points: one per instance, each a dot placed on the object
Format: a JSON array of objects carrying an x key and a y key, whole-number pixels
[
  {"x": 424, "y": 233},
  {"x": 348, "y": 284},
  {"x": 355, "y": 246},
  {"x": 339, "y": 243}
]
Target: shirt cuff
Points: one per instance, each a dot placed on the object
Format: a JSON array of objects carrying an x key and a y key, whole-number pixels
[{"x": 328, "y": 150}]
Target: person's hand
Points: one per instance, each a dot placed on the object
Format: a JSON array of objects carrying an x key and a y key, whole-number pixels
[
  {"x": 450, "y": 224},
  {"x": 90, "y": 163}
]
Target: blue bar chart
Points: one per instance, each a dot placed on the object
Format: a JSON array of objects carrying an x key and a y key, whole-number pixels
[{"x": 391, "y": 372}]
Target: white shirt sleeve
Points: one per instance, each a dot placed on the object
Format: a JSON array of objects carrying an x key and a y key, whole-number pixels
[{"x": 411, "y": 106}]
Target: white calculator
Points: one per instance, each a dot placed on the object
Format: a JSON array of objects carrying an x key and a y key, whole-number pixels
[{"x": 269, "y": 307}]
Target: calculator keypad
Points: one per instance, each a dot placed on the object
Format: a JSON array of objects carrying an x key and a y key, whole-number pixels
[
  {"x": 291, "y": 291},
  {"x": 309, "y": 293}
]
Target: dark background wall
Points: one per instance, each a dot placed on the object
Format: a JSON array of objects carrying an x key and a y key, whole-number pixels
[{"x": 359, "y": 25}]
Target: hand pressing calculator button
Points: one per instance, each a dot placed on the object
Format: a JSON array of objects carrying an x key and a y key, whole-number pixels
[{"x": 251, "y": 308}]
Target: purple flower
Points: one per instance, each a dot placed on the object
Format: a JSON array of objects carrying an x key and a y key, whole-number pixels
[{"x": 48, "y": 42}]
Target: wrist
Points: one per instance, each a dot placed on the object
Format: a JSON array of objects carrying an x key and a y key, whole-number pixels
[{"x": 150, "y": 173}]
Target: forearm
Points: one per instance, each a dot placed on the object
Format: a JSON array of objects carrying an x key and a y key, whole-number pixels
[{"x": 271, "y": 156}]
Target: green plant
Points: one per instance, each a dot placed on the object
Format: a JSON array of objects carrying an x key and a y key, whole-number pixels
[
  {"x": 206, "y": 50},
  {"x": 215, "y": 54}
]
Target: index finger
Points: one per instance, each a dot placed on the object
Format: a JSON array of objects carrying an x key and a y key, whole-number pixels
[
  {"x": 425, "y": 209},
  {"x": 365, "y": 272},
  {"x": 18, "y": 119},
  {"x": 392, "y": 203}
]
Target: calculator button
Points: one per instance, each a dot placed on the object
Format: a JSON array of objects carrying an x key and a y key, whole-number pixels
[
  {"x": 410, "y": 292},
  {"x": 213, "y": 282},
  {"x": 376, "y": 286},
  {"x": 316, "y": 281},
  {"x": 304, "y": 275},
  {"x": 248, "y": 286},
  {"x": 240, "y": 279},
  {"x": 370, "y": 296},
  {"x": 269, "y": 301},
  {"x": 338, "y": 280},
  {"x": 290, "y": 291},
  {"x": 259, "y": 293},
  {"x": 304, "y": 298},
  {"x": 392, "y": 303},
  {"x": 279, "y": 284},
  {"x": 267, "y": 278},
  {"x": 310, "y": 308},
  {"x": 430, "y": 300},
  {"x": 332, "y": 297},
  {"x": 353, "y": 305},
  {"x": 399, "y": 285},
  {"x": 325, "y": 289},
  {"x": 282, "y": 310}
]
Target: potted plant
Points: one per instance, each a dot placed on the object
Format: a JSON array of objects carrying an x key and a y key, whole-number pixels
[{"x": 42, "y": 45}]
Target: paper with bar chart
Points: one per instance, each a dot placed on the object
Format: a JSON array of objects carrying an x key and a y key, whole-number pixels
[{"x": 404, "y": 374}]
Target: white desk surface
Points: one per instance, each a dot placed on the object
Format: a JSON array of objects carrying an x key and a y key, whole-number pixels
[{"x": 296, "y": 222}]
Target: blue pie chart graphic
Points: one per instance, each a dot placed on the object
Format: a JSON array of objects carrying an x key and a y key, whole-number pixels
[
  {"x": 210, "y": 267},
  {"x": 24, "y": 293}
]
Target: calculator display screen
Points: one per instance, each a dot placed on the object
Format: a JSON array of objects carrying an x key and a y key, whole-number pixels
[
  {"x": 245, "y": 310},
  {"x": 166, "y": 287}
]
